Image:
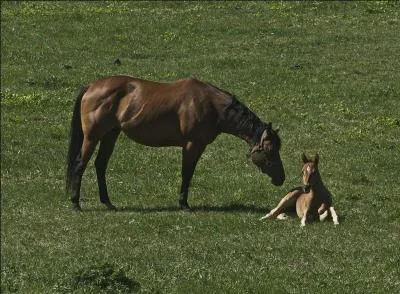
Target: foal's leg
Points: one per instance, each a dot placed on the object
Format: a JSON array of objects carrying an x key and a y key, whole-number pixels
[
  {"x": 323, "y": 215},
  {"x": 334, "y": 215},
  {"x": 106, "y": 148},
  {"x": 282, "y": 216},
  {"x": 190, "y": 156},
  {"x": 286, "y": 202},
  {"x": 304, "y": 218},
  {"x": 322, "y": 212},
  {"x": 88, "y": 146}
]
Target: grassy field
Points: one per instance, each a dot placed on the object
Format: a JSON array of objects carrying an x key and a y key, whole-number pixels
[{"x": 326, "y": 73}]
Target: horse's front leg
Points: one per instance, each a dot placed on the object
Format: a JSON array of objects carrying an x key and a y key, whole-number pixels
[{"x": 190, "y": 156}]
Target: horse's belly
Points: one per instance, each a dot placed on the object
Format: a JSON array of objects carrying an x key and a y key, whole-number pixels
[{"x": 156, "y": 133}]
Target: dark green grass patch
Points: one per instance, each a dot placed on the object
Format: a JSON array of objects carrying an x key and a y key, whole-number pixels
[
  {"x": 325, "y": 72},
  {"x": 101, "y": 279}
]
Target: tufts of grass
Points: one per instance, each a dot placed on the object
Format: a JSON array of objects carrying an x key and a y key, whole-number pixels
[
  {"x": 100, "y": 279},
  {"x": 325, "y": 72}
]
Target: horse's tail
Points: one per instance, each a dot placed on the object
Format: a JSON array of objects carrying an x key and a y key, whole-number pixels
[{"x": 76, "y": 139}]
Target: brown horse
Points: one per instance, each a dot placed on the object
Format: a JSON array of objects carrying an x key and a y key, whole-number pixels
[{"x": 187, "y": 113}]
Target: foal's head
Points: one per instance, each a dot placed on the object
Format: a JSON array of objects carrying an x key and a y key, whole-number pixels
[
  {"x": 265, "y": 155},
  {"x": 310, "y": 171}
]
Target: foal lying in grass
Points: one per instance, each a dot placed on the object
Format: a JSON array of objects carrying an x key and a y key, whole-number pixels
[{"x": 311, "y": 200}]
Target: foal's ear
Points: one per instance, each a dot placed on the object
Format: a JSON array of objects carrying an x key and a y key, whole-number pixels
[
  {"x": 304, "y": 158},
  {"x": 263, "y": 136},
  {"x": 255, "y": 149},
  {"x": 316, "y": 159}
]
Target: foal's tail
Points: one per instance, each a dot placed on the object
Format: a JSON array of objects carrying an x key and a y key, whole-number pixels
[{"x": 76, "y": 139}]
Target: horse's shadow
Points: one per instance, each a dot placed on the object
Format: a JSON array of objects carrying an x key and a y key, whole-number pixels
[{"x": 230, "y": 208}]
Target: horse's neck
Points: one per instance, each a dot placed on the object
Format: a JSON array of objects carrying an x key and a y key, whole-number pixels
[{"x": 236, "y": 119}]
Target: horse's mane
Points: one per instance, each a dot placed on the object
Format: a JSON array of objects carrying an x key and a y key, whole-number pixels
[
  {"x": 240, "y": 120},
  {"x": 243, "y": 119}
]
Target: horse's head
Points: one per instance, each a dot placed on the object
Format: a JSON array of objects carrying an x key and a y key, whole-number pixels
[
  {"x": 265, "y": 154},
  {"x": 310, "y": 171}
]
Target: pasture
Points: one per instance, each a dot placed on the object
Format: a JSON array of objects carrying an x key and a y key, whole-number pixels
[{"x": 326, "y": 72}]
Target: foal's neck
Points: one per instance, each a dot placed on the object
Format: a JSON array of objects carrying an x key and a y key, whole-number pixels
[
  {"x": 236, "y": 119},
  {"x": 319, "y": 185}
]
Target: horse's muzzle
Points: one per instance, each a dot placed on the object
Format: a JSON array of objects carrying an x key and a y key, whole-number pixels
[
  {"x": 277, "y": 175},
  {"x": 275, "y": 172},
  {"x": 278, "y": 181}
]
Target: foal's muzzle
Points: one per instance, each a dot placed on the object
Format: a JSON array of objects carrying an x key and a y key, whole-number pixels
[{"x": 306, "y": 188}]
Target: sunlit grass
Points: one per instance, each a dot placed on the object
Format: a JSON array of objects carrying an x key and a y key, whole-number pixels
[{"x": 325, "y": 72}]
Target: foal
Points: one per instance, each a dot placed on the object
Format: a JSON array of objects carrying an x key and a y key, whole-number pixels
[{"x": 311, "y": 200}]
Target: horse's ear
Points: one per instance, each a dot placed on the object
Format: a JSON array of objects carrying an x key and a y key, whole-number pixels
[
  {"x": 277, "y": 130},
  {"x": 316, "y": 159},
  {"x": 304, "y": 158}
]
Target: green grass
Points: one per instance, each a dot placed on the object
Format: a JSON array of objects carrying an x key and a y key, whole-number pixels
[{"x": 326, "y": 73}]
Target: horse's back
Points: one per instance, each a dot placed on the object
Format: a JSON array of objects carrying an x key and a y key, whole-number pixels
[
  {"x": 152, "y": 113},
  {"x": 150, "y": 92}
]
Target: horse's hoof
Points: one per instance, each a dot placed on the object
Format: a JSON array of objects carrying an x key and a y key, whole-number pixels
[
  {"x": 110, "y": 206},
  {"x": 76, "y": 207},
  {"x": 185, "y": 207}
]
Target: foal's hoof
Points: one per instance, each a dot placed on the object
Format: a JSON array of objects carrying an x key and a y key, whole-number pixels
[{"x": 266, "y": 216}]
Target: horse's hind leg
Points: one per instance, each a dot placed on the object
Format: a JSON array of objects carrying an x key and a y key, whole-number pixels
[
  {"x": 88, "y": 146},
  {"x": 106, "y": 148}
]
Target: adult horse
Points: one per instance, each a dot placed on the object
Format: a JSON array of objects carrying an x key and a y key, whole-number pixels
[{"x": 187, "y": 113}]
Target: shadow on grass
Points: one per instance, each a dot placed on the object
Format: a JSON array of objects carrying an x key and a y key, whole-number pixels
[
  {"x": 229, "y": 208},
  {"x": 104, "y": 278},
  {"x": 236, "y": 207}
]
